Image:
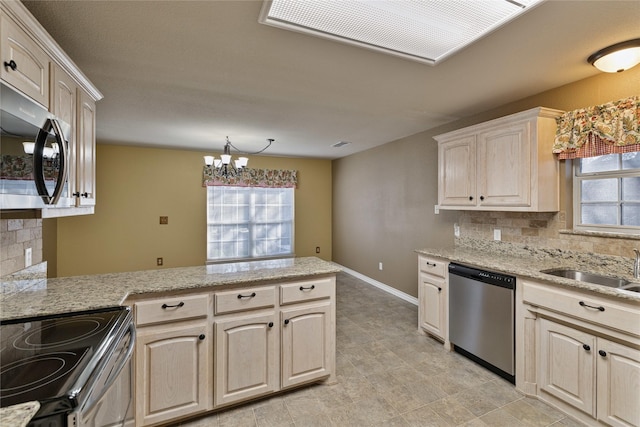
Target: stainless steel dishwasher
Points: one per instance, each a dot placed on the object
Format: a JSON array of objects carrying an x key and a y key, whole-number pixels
[{"x": 481, "y": 317}]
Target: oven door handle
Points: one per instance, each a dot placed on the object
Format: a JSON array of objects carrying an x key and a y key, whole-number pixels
[{"x": 118, "y": 370}]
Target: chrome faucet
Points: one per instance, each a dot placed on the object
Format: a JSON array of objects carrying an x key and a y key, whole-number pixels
[{"x": 636, "y": 265}]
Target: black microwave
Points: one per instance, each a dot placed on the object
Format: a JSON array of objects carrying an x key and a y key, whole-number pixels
[{"x": 34, "y": 150}]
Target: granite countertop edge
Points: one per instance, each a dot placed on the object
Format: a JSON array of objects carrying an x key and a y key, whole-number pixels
[
  {"x": 530, "y": 267},
  {"x": 18, "y": 415},
  {"x": 93, "y": 292}
]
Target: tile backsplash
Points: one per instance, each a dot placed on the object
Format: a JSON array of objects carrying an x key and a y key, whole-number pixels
[
  {"x": 18, "y": 235},
  {"x": 546, "y": 230}
]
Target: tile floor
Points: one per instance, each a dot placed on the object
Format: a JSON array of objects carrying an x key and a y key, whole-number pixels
[{"x": 390, "y": 375}]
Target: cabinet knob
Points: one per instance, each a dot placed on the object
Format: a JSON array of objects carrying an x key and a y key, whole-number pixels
[
  {"x": 481, "y": 197},
  {"x": 76, "y": 194},
  {"x": 11, "y": 64},
  {"x": 439, "y": 289},
  {"x": 586, "y": 347},
  {"x": 470, "y": 197},
  {"x": 271, "y": 324},
  {"x": 286, "y": 321},
  {"x": 602, "y": 353},
  {"x": 201, "y": 337},
  {"x": 85, "y": 194}
]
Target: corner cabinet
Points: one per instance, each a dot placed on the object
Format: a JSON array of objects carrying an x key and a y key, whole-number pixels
[
  {"x": 581, "y": 353},
  {"x": 504, "y": 164}
]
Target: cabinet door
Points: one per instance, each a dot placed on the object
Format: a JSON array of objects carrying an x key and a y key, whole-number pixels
[
  {"x": 618, "y": 384},
  {"x": 86, "y": 150},
  {"x": 457, "y": 172},
  {"x": 171, "y": 373},
  {"x": 307, "y": 346},
  {"x": 504, "y": 166},
  {"x": 431, "y": 308},
  {"x": 246, "y": 357},
  {"x": 63, "y": 105},
  {"x": 567, "y": 367},
  {"x": 31, "y": 73}
]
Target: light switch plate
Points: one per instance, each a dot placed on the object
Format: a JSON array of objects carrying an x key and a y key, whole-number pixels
[
  {"x": 497, "y": 234},
  {"x": 456, "y": 230}
]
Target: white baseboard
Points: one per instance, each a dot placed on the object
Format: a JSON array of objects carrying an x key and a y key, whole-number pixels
[{"x": 380, "y": 285}]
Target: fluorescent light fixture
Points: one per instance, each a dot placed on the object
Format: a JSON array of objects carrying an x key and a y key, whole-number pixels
[{"x": 426, "y": 31}]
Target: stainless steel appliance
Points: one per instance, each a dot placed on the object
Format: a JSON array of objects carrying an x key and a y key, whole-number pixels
[
  {"x": 481, "y": 317},
  {"x": 34, "y": 155},
  {"x": 78, "y": 366}
]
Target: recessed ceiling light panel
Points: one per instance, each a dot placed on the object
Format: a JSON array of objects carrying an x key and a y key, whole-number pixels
[{"x": 422, "y": 30}]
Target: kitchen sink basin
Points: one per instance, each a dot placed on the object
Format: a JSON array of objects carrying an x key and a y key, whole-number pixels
[{"x": 583, "y": 276}]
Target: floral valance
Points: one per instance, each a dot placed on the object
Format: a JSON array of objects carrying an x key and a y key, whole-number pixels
[
  {"x": 603, "y": 129},
  {"x": 271, "y": 178}
]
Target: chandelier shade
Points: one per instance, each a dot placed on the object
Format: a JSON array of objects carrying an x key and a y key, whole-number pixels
[{"x": 224, "y": 166}]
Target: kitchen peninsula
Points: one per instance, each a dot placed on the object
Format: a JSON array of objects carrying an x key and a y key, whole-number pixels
[{"x": 224, "y": 333}]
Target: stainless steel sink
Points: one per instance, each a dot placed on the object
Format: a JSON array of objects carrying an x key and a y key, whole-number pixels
[{"x": 597, "y": 279}]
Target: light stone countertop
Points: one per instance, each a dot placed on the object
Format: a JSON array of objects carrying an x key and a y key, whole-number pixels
[
  {"x": 28, "y": 295},
  {"x": 528, "y": 263},
  {"x": 18, "y": 415}
]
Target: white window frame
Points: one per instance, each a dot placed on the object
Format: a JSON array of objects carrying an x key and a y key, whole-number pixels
[
  {"x": 251, "y": 222},
  {"x": 578, "y": 178}
]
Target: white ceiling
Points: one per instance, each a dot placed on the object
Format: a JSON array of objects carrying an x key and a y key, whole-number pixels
[{"x": 189, "y": 73}]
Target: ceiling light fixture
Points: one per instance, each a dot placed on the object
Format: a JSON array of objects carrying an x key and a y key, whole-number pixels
[
  {"x": 224, "y": 166},
  {"x": 618, "y": 57}
]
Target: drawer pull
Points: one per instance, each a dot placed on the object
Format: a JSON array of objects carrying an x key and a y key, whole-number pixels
[
  {"x": 431, "y": 264},
  {"x": 302, "y": 288},
  {"x": 240, "y": 296},
  {"x": 586, "y": 347},
  {"x": 11, "y": 64},
  {"x": 165, "y": 306},
  {"x": 201, "y": 337},
  {"x": 583, "y": 304},
  {"x": 602, "y": 353}
]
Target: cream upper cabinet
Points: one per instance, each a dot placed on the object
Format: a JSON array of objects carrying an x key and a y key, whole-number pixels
[
  {"x": 25, "y": 65},
  {"x": 504, "y": 164},
  {"x": 432, "y": 297},
  {"x": 86, "y": 151}
]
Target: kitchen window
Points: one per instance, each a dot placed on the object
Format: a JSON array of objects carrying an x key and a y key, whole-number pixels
[
  {"x": 249, "y": 222},
  {"x": 607, "y": 193}
]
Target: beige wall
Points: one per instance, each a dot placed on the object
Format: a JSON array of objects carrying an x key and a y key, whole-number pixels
[
  {"x": 384, "y": 198},
  {"x": 135, "y": 186}
]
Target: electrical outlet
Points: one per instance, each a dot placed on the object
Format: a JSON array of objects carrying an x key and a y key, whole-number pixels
[
  {"x": 317, "y": 249},
  {"x": 497, "y": 234},
  {"x": 456, "y": 230},
  {"x": 164, "y": 220},
  {"x": 28, "y": 260},
  {"x": 380, "y": 266},
  {"x": 159, "y": 261},
  {"x": 436, "y": 209}
]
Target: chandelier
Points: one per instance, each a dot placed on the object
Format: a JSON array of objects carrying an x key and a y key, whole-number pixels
[{"x": 224, "y": 166}]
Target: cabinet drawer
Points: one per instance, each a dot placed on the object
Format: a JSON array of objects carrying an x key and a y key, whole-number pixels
[
  {"x": 306, "y": 291},
  {"x": 602, "y": 311},
  {"x": 244, "y": 299},
  {"x": 432, "y": 266},
  {"x": 171, "y": 309}
]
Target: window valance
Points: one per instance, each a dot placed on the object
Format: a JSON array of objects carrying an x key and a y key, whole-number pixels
[
  {"x": 270, "y": 178},
  {"x": 603, "y": 129}
]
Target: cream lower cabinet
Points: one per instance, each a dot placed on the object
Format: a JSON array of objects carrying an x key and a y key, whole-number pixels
[
  {"x": 172, "y": 359},
  {"x": 246, "y": 358},
  {"x": 307, "y": 336},
  {"x": 432, "y": 296},
  {"x": 586, "y": 353}
]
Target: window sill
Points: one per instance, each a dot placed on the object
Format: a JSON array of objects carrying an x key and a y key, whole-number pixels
[{"x": 601, "y": 234}]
